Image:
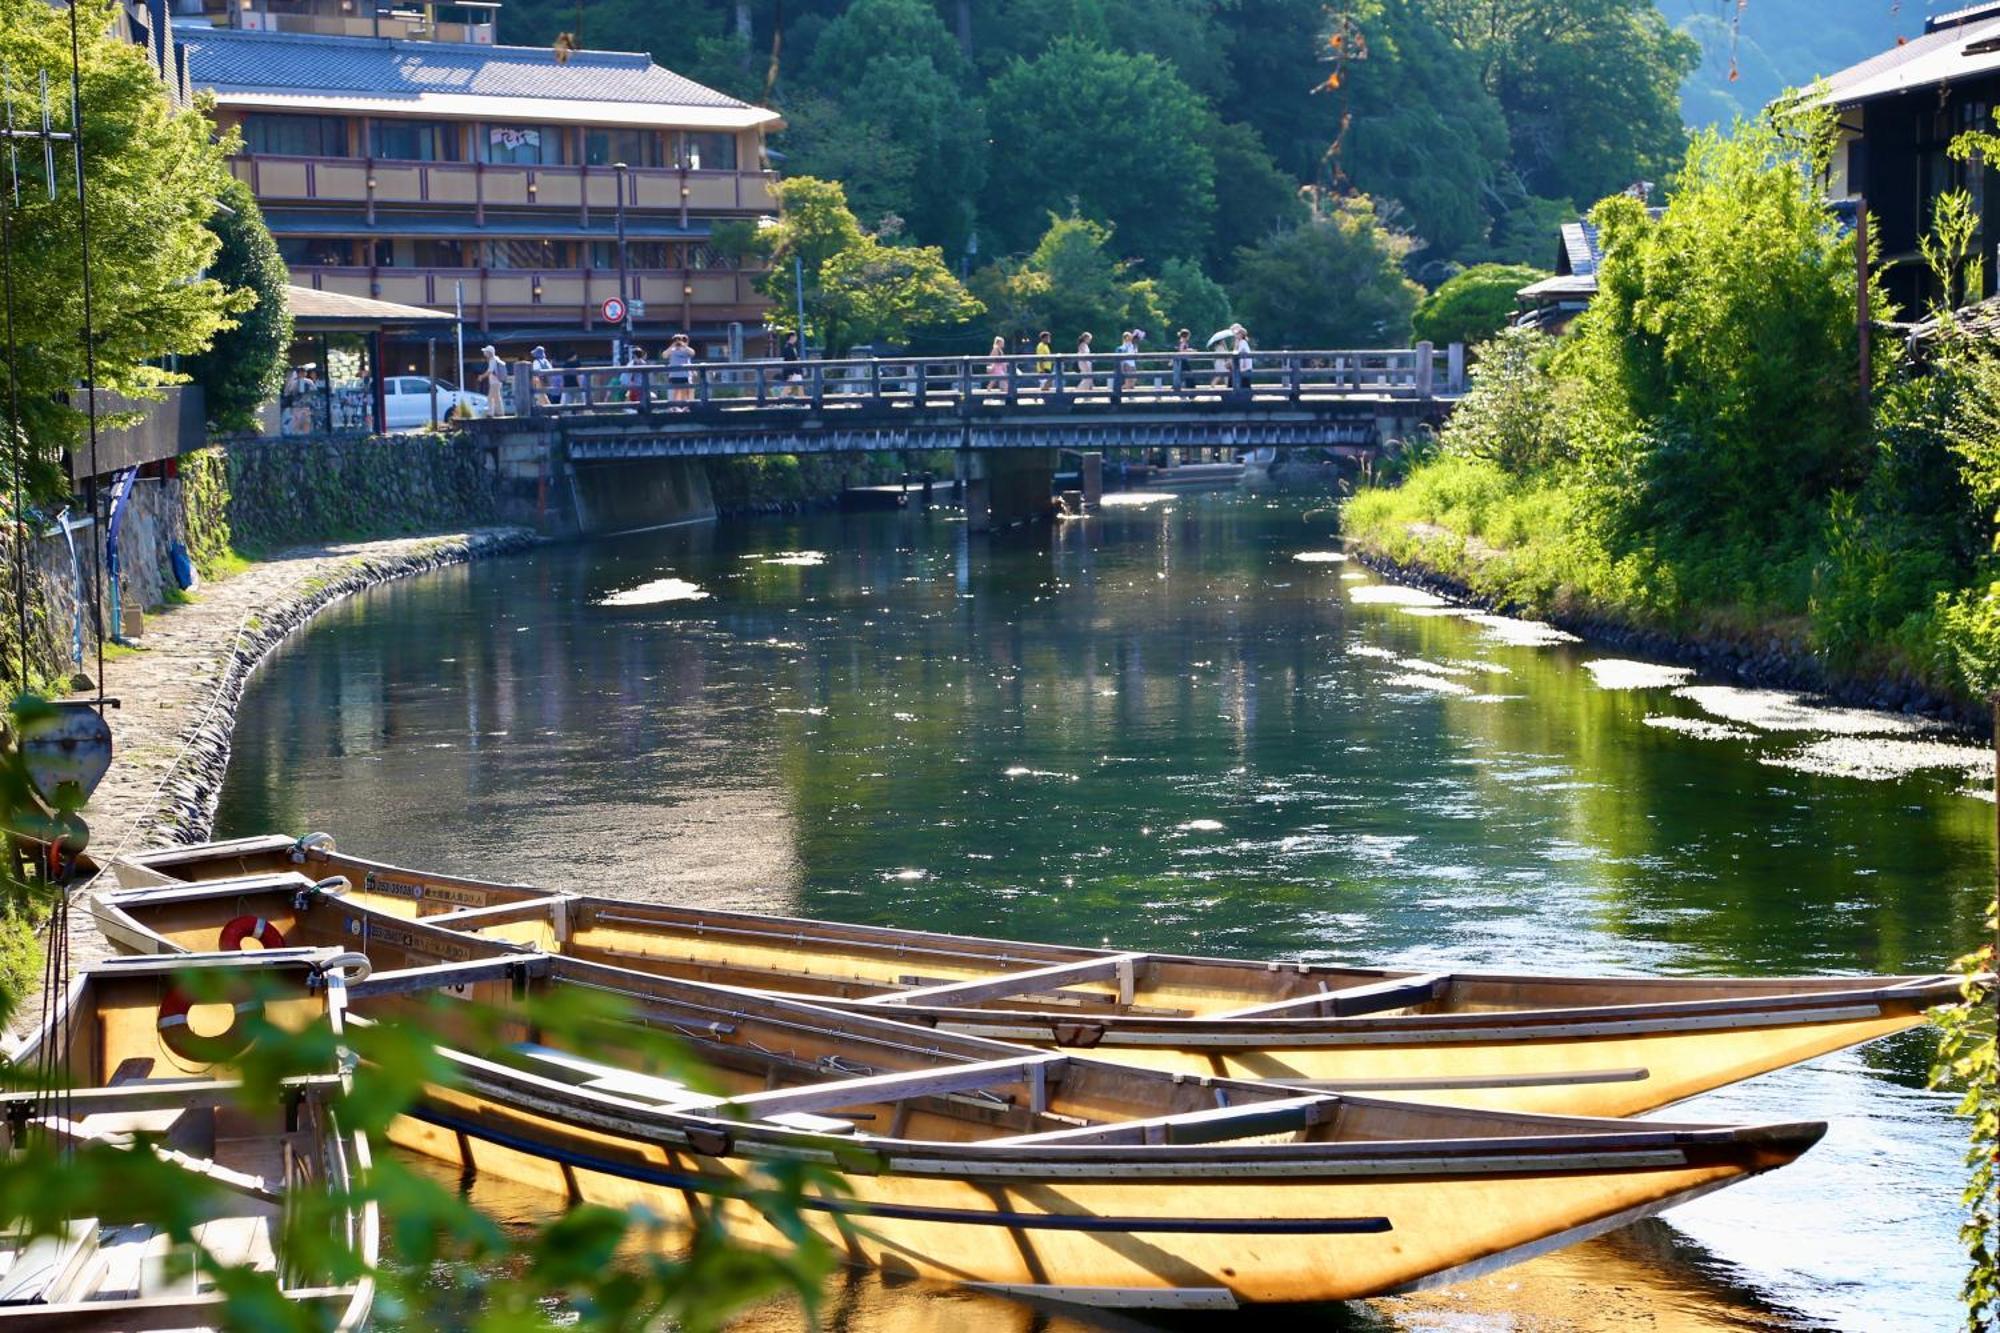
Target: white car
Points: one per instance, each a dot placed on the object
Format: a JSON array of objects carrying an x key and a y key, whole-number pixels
[{"x": 408, "y": 400}]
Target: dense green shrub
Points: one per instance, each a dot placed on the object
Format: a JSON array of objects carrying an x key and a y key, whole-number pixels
[
  {"x": 1474, "y": 304},
  {"x": 245, "y": 366},
  {"x": 1511, "y": 416}
]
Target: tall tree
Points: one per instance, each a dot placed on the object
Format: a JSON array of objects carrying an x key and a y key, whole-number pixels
[
  {"x": 1070, "y": 282},
  {"x": 1253, "y": 197},
  {"x": 154, "y": 175},
  {"x": 245, "y": 366},
  {"x": 895, "y": 79},
  {"x": 856, "y": 288},
  {"x": 1337, "y": 281},
  {"x": 1590, "y": 88},
  {"x": 1423, "y": 133},
  {"x": 1119, "y": 135}
]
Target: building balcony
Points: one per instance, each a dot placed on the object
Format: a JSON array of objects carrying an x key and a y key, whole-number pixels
[
  {"x": 674, "y": 298},
  {"x": 404, "y": 26},
  {"x": 477, "y": 185}
]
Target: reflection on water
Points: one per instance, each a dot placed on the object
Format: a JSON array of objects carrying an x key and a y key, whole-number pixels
[{"x": 1160, "y": 727}]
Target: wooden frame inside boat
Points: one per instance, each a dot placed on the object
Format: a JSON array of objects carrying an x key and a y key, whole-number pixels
[{"x": 136, "y": 1085}]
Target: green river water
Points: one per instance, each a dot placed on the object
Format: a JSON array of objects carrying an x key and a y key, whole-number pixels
[{"x": 1162, "y": 727}]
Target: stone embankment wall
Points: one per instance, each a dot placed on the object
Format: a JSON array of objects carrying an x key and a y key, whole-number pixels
[
  {"x": 251, "y": 495},
  {"x": 285, "y": 492}
]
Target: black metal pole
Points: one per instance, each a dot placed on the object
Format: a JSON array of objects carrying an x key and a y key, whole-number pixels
[{"x": 89, "y": 344}]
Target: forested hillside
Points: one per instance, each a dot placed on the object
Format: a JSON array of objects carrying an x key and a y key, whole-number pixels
[
  {"x": 1780, "y": 44},
  {"x": 1188, "y": 127}
]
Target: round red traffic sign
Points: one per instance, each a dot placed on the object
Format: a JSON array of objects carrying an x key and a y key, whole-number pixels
[{"x": 613, "y": 310}]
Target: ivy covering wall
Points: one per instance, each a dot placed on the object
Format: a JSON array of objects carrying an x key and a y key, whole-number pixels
[{"x": 284, "y": 492}]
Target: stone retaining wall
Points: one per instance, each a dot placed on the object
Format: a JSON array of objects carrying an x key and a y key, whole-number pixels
[{"x": 286, "y": 491}]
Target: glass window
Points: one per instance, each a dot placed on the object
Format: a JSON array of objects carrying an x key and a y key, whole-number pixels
[
  {"x": 414, "y": 140},
  {"x": 707, "y": 150},
  {"x": 522, "y": 144},
  {"x": 523, "y": 254},
  {"x": 440, "y": 254},
  {"x": 294, "y": 136},
  {"x": 635, "y": 148},
  {"x": 316, "y": 251}
]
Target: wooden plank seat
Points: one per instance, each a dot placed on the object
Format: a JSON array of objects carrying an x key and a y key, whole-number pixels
[
  {"x": 1374, "y": 998},
  {"x": 1121, "y": 967},
  {"x": 1220, "y": 1124},
  {"x": 665, "y": 1093}
]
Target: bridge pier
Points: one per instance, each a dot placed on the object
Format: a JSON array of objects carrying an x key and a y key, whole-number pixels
[
  {"x": 1006, "y": 487},
  {"x": 621, "y": 497},
  {"x": 1091, "y": 480}
]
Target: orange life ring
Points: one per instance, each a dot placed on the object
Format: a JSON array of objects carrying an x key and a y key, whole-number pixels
[
  {"x": 185, "y": 1042},
  {"x": 246, "y": 927}
]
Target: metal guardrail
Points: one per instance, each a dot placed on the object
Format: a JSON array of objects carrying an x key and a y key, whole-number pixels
[{"x": 1172, "y": 380}]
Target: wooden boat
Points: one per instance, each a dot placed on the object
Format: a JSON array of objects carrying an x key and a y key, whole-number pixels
[
  {"x": 971, "y": 1160},
  {"x": 137, "y": 1065},
  {"x": 1561, "y": 1045}
]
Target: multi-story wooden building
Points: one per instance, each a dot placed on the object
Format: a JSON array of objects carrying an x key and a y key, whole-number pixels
[
  {"x": 1899, "y": 111},
  {"x": 429, "y": 161}
]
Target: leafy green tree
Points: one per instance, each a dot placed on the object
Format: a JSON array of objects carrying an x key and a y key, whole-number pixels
[
  {"x": 1719, "y": 355},
  {"x": 1474, "y": 304},
  {"x": 893, "y": 120},
  {"x": 245, "y": 366},
  {"x": 1253, "y": 197},
  {"x": 1191, "y": 300},
  {"x": 1189, "y": 35},
  {"x": 1336, "y": 281},
  {"x": 857, "y": 289},
  {"x": 878, "y": 293},
  {"x": 1118, "y": 136},
  {"x": 1071, "y": 281},
  {"x": 1424, "y": 132},
  {"x": 1590, "y": 88},
  {"x": 155, "y": 174}
]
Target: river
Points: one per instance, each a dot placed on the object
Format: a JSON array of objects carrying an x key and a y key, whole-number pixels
[{"x": 1186, "y": 724}]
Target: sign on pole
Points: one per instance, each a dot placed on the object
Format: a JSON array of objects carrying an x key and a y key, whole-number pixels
[{"x": 613, "y": 310}]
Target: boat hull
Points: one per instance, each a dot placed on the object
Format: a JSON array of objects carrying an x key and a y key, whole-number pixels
[{"x": 1296, "y": 1232}]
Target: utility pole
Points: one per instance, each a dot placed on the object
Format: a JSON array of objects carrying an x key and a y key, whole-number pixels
[
  {"x": 1863, "y": 318},
  {"x": 624, "y": 298}
]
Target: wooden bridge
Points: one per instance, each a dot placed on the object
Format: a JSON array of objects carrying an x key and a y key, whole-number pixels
[{"x": 605, "y": 436}]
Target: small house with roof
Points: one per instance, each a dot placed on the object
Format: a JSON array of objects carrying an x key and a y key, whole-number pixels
[{"x": 1899, "y": 111}]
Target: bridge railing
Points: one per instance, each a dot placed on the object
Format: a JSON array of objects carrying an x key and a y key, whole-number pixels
[{"x": 974, "y": 383}]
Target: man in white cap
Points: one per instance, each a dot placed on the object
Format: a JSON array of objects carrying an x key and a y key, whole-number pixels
[{"x": 496, "y": 382}]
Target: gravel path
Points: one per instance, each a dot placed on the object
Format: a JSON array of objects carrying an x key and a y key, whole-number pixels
[{"x": 179, "y": 691}]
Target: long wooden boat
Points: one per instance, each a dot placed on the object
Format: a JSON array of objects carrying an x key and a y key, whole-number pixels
[
  {"x": 137, "y": 1065},
  {"x": 973, "y": 1160},
  {"x": 1562, "y": 1045}
]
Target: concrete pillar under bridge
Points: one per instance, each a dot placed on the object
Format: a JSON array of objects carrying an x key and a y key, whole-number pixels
[
  {"x": 1007, "y": 487},
  {"x": 642, "y": 493}
]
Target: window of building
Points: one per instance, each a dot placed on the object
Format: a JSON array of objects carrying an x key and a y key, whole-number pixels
[
  {"x": 521, "y": 144},
  {"x": 414, "y": 140},
  {"x": 706, "y": 150},
  {"x": 317, "y": 251},
  {"x": 294, "y": 136},
  {"x": 527, "y": 254},
  {"x": 638, "y": 254},
  {"x": 635, "y": 148},
  {"x": 439, "y": 254}
]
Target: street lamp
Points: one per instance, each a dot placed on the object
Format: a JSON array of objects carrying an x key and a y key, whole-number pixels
[{"x": 624, "y": 297}]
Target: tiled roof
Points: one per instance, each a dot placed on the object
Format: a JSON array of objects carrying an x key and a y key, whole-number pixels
[
  {"x": 1940, "y": 56},
  {"x": 251, "y": 62},
  {"x": 310, "y": 304},
  {"x": 1579, "y": 248}
]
